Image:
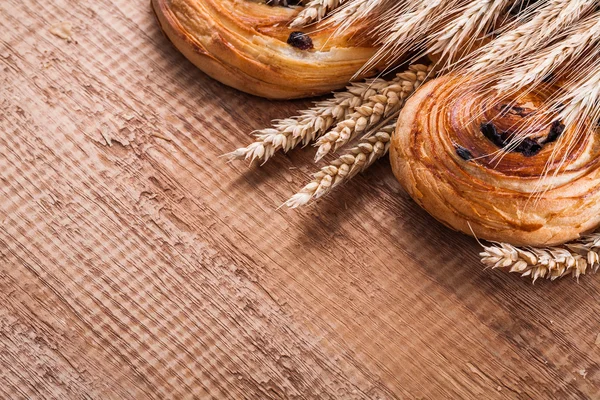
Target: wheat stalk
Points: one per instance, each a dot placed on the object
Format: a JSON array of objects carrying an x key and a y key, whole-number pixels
[
  {"x": 461, "y": 33},
  {"x": 354, "y": 11},
  {"x": 408, "y": 26},
  {"x": 563, "y": 55},
  {"x": 575, "y": 259},
  {"x": 385, "y": 103},
  {"x": 582, "y": 100},
  {"x": 315, "y": 11},
  {"x": 341, "y": 170},
  {"x": 288, "y": 133},
  {"x": 527, "y": 36}
]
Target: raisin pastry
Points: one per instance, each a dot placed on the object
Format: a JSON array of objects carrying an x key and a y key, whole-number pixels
[
  {"x": 250, "y": 46},
  {"x": 454, "y": 155}
]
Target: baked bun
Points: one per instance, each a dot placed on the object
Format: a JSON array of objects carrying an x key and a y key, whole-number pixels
[
  {"x": 244, "y": 44},
  {"x": 449, "y": 153}
]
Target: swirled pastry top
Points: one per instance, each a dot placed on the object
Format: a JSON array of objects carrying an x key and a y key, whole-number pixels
[
  {"x": 454, "y": 155},
  {"x": 244, "y": 44}
]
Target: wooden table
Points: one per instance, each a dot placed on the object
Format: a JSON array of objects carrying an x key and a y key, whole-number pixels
[{"x": 136, "y": 263}]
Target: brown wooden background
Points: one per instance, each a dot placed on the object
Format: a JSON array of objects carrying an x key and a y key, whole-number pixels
[{"x": 136, "y": 263}]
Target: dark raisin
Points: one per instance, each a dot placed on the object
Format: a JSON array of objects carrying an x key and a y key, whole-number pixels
[
  {"x": 504, "y": 109},
  {"x": 463, "y": 153},
  {"x": 300, "y": 40},
  {"x": 520, "y": 111},
  {"x": 556, "y": 130},
  {"x": 548, "y": 78},
  {"x": 528, "y": 147},
  {"x": 489, "y": 130},
  {"x": 283, "y": 3}
]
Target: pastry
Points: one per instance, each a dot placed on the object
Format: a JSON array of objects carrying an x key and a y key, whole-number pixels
[
  {"x": 453, "y": 154},
  {"x": 250, "y": 46}
]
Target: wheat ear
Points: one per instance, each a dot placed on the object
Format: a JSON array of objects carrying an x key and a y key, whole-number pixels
[
  {"x": 583, "y": 37},
  {"x": 460, "y": 34},
  {"x": 408, "y": 27},
  {"x": 357, "y": 10},
  {"x": 341, "y": 170},
  {"x": 314, "y": 11},
  {"x": 385, "y": 103},
  {"x": 582, "y": 100},
  {"x": 575, "y": 259},
  {"x": 528, "y": 36},
  {"x": 288, "y": 133}
]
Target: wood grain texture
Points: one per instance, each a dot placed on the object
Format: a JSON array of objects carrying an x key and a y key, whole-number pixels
[{"x": 136, "y": 263}]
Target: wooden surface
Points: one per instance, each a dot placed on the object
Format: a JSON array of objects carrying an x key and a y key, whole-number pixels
[{"x": 136, "y": 263}]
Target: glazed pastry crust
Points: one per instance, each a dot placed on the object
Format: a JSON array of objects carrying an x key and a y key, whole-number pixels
[
  {"x": 493, "y": 194},
  {"x": 244, "y": 44}
]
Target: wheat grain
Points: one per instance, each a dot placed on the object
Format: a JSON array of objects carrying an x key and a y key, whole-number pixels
[
  {"x": 526, "y": 36},
  {"x": 357, "y": 159},
  {"x": 315, "y": 11},
  {"x": 575, "y": 259},
  {"x": 288, "y": 133},
  {"x": 408, "y": 26},
  {"x": 384, "y": 104},
  {"x": 563, "y": 55},
  {"x": 354, "y": 11},
  {"x": 582, "y": 100},
  {"x": 460, "y": 34}
]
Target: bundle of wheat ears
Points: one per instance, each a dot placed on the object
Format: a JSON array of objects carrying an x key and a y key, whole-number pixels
[{"x": 494, "y": 96}]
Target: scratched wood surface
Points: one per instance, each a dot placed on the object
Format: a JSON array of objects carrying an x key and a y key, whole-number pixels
[{"x": 136, "y": 263}]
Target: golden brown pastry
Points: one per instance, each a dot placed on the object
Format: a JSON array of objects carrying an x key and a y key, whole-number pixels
[
  {"x": 447, "y": 153},
  {"x": 244, "y": 44}
]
